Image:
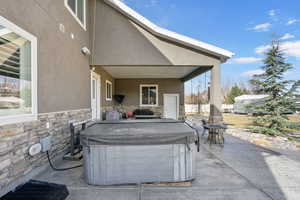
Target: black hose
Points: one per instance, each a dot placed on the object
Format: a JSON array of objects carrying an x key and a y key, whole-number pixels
[{"x": 62, "y": 169}]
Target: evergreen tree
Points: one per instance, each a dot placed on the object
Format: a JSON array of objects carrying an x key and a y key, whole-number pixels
[
  {"x": 272, "y": 113},
  {"x": 235, "y": 91}
]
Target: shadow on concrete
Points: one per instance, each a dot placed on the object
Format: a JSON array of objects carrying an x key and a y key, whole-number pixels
[{"x": 269, "y": 171}]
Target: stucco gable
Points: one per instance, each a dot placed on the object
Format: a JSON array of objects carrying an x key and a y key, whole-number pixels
[{"x": 118, "y": 42}]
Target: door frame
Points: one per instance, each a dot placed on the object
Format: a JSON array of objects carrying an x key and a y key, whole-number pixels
[
  {"x": 177, "y": 106},
  {"x": 98, "y": 95}
]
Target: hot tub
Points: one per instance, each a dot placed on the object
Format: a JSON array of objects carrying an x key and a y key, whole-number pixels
[{"x": 138, "y": 151}]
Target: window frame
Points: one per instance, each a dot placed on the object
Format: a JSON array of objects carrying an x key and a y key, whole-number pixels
[
  {"x": 34, "y": 99},
  {"x": 107, "y": 82},
  {"x": 141, "y": 92},
  {"x": 82, "y": 24}
]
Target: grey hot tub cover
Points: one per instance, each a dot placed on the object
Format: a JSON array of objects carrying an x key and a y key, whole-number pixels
[{"x": 138, "y": 132}]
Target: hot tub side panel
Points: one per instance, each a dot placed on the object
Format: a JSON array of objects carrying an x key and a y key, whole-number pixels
[{"x": 108, "y": 165}]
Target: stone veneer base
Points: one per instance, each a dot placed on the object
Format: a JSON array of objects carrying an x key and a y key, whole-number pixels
[{"x": 16, "y": 165}]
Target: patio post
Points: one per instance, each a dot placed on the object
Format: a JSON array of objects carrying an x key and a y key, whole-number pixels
[{"x": 215, "y": 115}]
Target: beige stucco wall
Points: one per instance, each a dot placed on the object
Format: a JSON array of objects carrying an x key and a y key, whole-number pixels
[
  {"x": 118, "y": 42},
  {"x": 131, "y": 89},
  {"x": 63, "y": 71}
]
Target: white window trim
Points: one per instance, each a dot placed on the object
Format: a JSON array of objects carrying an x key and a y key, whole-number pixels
[
  {"x": 98, "y": 115},
  {"x": 34, "y": 107},
  {"x": 83, "y": 25},
  {"x": 110, "y": 83},
  {"x": 148, "y": 85}
]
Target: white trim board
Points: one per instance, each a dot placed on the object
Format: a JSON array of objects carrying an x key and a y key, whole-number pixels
[
  {"x": 98, "y": 94},
  {"x": 164, "y": 33},
  {"x": 157, "y": 94},
  {"x": 111, "y": 90}
]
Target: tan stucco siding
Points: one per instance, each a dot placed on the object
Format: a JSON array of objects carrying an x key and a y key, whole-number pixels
[
  {"x": 118, "y": 42},
  {"x": 178, "y": 54},
  {"x": 105, "y": 76},
  {"x": 131, "y": 89},
  {"x": 63, "y": 71}
]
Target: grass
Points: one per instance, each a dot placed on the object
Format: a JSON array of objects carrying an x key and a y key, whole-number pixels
[
  {"x": 294, "y": 118},
  {"x": 239, "y": 121},
  {"x": 244, "y": 121}
]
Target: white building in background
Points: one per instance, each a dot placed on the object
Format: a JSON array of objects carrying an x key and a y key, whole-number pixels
[
  {"x": 205, "y": 108},
  {"x": 242, "y": 102}
]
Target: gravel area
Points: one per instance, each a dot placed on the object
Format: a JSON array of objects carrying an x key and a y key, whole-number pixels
[{"x": 264, "y": 140}]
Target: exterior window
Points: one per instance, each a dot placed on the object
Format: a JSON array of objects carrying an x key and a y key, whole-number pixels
[
  {"x": 77, "y": 9},
  {"x": 108, "y": 90},
  {"x": 17, "y": 74},
  {"x": 149, "y": 95}
]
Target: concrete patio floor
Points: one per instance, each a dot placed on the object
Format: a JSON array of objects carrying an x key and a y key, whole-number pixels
[{"x": 239, "y": 170}]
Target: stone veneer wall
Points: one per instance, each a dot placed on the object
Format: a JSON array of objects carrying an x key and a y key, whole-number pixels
[{"x": 15, "y": 140}]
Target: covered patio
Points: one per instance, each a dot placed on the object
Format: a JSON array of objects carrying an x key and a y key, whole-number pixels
[
  {"x": 130, "y": 51},
  {"x": 239, "y": 170}
]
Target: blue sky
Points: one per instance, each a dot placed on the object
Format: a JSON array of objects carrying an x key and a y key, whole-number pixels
[{"x": 241, "y": 26}]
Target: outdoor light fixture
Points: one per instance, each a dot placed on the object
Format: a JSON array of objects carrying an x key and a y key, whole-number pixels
[{"x": 86, "y": 51}]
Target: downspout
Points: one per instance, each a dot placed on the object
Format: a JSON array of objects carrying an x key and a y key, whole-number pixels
[{"x": 94, "y": 33}]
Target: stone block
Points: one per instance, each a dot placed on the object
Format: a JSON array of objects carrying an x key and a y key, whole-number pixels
[
  {"x": 19, "y": 168},
  {"x": 4, "y": 164},
  {"x": 4, "y": 178},
  {"x": 20, "y": 138},
  {"x": 261, "y": 142},
  {"x": 5, "y": 146},
  {"x": 11, "y": 131}
]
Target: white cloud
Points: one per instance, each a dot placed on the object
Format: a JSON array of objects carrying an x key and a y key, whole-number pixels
[
  {"x": 244, "y": 60},
  {"x": 291, "y": 48},
  {"x": 253, "y": 72},
  {"x": 292, "y": 21},
  {"x": 262, "y": 49},
  {"x": 272, "y": 13},
  {"x": 287, "y": 36},
  {"x": 261, "y": 27}
]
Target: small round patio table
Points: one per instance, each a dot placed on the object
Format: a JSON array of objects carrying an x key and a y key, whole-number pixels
[{"x": 216, "y": 133}]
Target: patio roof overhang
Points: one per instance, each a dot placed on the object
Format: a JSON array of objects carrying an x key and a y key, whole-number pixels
[
  {"x": 128, "y": 45},
  {"x": 184, "y": 73}
]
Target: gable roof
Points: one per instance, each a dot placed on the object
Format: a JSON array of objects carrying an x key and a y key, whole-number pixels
[{"x": 169, "y": 35}]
